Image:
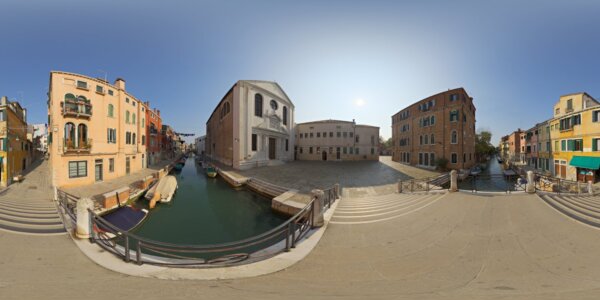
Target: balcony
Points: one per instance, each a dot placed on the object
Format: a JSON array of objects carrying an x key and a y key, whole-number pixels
[
  {"x": 76, "y": 108},
  {"x": 74, "y": 147}
]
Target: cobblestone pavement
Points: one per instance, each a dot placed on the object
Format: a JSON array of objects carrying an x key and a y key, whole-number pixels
[
  {"x": 307, "y": 175},
  {"x": 462, "y": 246}
]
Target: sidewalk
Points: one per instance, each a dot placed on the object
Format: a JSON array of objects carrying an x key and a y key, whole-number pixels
[{"x": 90, "y": 191}]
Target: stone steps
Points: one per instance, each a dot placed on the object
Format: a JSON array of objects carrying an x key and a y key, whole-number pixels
[
  {"x": 30, "y": 217},
  {"x": 578, "y": 213},
  {"x": 390, "y": 207}
]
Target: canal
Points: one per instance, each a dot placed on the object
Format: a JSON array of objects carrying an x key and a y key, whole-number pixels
[
  {"x": 207, "y": 211},
  {"x": 491, "y": 179}
]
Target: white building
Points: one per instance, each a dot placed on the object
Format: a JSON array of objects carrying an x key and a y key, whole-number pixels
[
  {"x": 251, "y": 126},
  {"x": 200, "y": 142},
  {"x": 336, "y": 140},
  {"x": 40, "y": 137}
]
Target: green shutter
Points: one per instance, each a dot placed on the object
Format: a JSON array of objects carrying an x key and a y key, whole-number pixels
[
  {"x": 5, "y": 144},
  {"x": 571, "y": 145},
  {"x": 594, "y": 144}
]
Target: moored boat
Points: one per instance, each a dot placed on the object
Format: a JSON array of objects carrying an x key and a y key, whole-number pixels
[
  {"x": 475, "y": 171},
  {"x": 211, "y": 172}
]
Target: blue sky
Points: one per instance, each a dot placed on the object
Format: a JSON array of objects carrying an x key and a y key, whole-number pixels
[{"x": 515, "y": 59}]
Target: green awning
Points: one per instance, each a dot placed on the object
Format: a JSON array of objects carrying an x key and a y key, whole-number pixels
[{"x": 586, "y": 162}]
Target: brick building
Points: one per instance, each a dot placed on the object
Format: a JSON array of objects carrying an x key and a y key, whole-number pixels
[{"x": 439, "y": 126}]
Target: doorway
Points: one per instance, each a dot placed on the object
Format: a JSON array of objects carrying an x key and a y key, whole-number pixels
[
  {"x": 98, "y": 168},
  {"x": 127, "y": 165},
  {"x": 324, "y": 154},
  {"x": 337, "y": 153},
  {"x": 272, "y": 143}
]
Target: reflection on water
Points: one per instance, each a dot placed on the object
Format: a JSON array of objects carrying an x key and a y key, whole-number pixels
[
  {"x": 490, "y": 179},
  {"x": 207, "y": 211}
]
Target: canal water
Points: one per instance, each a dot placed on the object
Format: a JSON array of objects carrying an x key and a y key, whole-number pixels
[
  {"x": 491, "y": 179},
  {"x": 207, "y": 211}
]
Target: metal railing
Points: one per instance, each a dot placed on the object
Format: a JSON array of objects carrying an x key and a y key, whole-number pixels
[
  {"x": 493, "y": 183},
  {"x": 560, "y": 186},
  {"x": 133, "y": 248},
  {"x": 424, "y": 184},
  {"x": 77, "y": 146},
  {"x": 68, "y": 203},
  {"x": 330, "y": 195}
]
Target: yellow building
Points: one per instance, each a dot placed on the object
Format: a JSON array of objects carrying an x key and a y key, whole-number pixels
[
  {"x": 14, "y": 147},
  {"x": 97, "y": 130},
  {"x": 575, "y": 136}
]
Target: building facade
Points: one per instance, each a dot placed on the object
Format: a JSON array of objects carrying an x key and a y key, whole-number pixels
[
  {"x": 531, "y": 147},
  {"x": 251, "y": 126},
  {"x": 153, "y": 124},
  {"x": 575, "y": 135},
  {"x": 336, "y": 140},
  {"x": 200, "y": 145},
  {"x": 516, "y": 146},
  {"x": 95, "y": 130},
  {"x": 40, "y": 137},
  {"x": 545, "y": 161},
  {"x": 14, "y": 145},
  {"x": 439, "y": 126}
]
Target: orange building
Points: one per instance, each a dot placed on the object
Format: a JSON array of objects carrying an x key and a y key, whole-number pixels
[{"x": 153, "y": 134}]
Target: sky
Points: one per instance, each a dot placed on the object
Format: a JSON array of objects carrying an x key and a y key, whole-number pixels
[{"x": 363, "y": 60}]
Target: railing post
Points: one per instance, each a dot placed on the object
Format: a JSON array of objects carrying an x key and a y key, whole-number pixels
[
  {"x": 287, "y": 238},
  {"x": 293, "y": 229},
  {"x": 317, "y": 207},
  {"x": 83, "y": 218},
  {"x": 138, "y": 253},
  {"x": 530, "y": 186},
  {"x": 453, "y": 181},
  {"x": 337, "y": 191},
  {"x": 127, "y": 258}
]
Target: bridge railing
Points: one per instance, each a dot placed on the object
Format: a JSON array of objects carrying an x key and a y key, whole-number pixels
[
  {"x": 68, "y": 203},
  {"x": 493, "y": 183},
  {"x": 424, "y": 184},
  {"x": 330, "y": 195},
  {"x": 133, "y": 248},
  {"x": 560, "y": 186}
]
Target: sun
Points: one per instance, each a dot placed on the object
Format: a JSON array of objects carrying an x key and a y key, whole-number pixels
[{"x": 359, "y": 102}]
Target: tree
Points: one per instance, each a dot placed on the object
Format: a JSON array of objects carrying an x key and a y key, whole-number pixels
[{"x": 483, "y": 145}]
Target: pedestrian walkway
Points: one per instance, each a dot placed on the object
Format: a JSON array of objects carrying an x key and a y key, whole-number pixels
[
  {"x": 99, "y": 188},
  {"x": 27, "y": 207}
]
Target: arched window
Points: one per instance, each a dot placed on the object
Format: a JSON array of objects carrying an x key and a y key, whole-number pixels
[
  {"x": 454, "y": 137},
  {"x": 426, "y": 140},
  {"x": 432, "y": 140},
  {"x": 70, "y": 135},
  {"x": 111, "y": 110},
  {"x": 432, "y": 120},
  {"x": 258, "y": 105},
  {"x": 133, "y": 118},
  {"x": 285, "y": 113},
  {"x": 82, "y": 98},
  {"x": 127, "y": 117},
  {"x": 69, "y": 97},
  {"x": 82, "y": 135}
]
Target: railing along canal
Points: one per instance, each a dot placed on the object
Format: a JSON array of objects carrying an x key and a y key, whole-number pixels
[
  {"x": 494, "y": 183},
  {"x": 561, "y": 186},
  {"x": 133, "y": 248},
  {"x": 68, "y": 203},
  {"x": 424, "y": 185}
]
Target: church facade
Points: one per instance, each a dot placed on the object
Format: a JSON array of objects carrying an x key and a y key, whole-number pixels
[{"x": 253, "y": 125}]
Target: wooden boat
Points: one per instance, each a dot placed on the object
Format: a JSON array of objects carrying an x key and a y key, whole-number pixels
[
  {"x": 475, "y": 171},
  {"x": 211, "y": 172},
  {"x": 162, "y": 191}
]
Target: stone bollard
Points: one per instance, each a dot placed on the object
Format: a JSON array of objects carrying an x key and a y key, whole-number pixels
[
  {"x": 590, "y": 188},
  {"x": 83, "y": 218},
  {"x": 318, "y": 219},
  {"x": 530, "y": 187},
  {"x": 453, "y": 181},
  {"x": 399, "y": 187}
]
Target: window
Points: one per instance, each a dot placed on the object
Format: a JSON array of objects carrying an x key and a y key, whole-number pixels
[
  {"x": 372, "y": 140},
  {"x": 595, "y": 144},
  {"x": 144, "y": 140},
  {"x": 318, "y": 134},
  {"x": 111, "y": 135},
  {"x": 300, "y": 150},
  {"x": 420, "y": 158},
  {"x": 454, "y": 115},
  {"x": 345, "y": 134},
  {"x": 351, "y": 150},
  {"x": 311, "y": 134},
  {"x": 426, "y": 140},
  {"x": 420, "y": 140},
  {"x": 111, "y": 165},
  {"x": 127, "y": 117},
  {"x": 351, "y": 134},
  {"x": 110, "y": 92},
  {"x": 324, "y": 134},
  {"x": 286, "y": 145},
  {"x": 357, "y": 138},
  {"x": 431, "y": 159},
  {"x": 464, "y": 157},
  {"x": 82, "y": 85},
  {"x": 318, "y": 150},
  {"x": 569, "y": 105},
  {"x": 111, "y": 111},
  {"x": 330, "y": 134},
  {"x": 133, "y": 103},
  {"x": 273, "y": 104},
  {"x": 310, "y": 150},
  {"x": 77, "y": 169},
  {"x": 372, "y": 151},
  {"x": 2, "y": 115},
  {"x": 285, "y": 115},
  {"x": 453, "y": 97},
  {"x": 339, "y": 134},
  {"x": 258, "y": 105},
  {"x": 345, "y": 150},
  {"x": 127, "y": 138},
  {"x": 127, "y": 100},
  {"x": 454, "y": 158},
  {"x": 432, "y": 120},
  {"x": 99, "y": 89},
  {"x": 143, "y": 122},
  {"x": 431, "y": 140},
  {"x": 454, "y": 138},
  {"x": 133, "y": 118},
  {"x": 356, "y": 151},
  {"x": 596, "y": 116},
  {"x": 254, "y": 142}
]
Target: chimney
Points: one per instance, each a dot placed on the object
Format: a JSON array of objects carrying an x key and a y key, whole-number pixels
[
  {"x": 158, "y": 112},
  {"x": 120, "y": 83}
]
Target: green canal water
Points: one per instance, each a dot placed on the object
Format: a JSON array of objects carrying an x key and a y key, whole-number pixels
[{"x": 207, "y": 211}]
